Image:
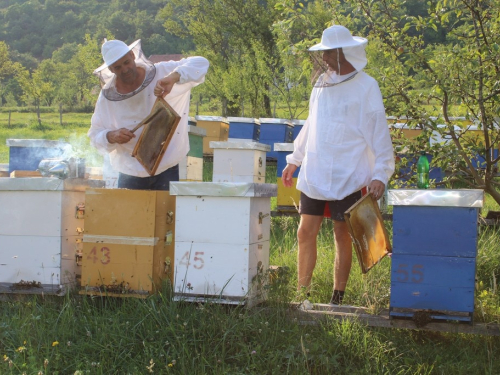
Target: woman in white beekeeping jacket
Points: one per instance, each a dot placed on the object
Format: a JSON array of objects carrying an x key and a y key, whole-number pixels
[{"x": 343, "y": 150}]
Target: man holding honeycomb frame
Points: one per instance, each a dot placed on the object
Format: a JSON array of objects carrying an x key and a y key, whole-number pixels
[{"x": 130, "y": 85}]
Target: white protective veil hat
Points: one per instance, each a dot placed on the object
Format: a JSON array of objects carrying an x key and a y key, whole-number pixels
[
  {"x": 114, "y": 50},
  {"x": 338, "y": 36}
]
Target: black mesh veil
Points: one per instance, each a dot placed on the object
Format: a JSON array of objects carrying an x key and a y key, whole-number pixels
[{"x": 322, "y": 76}]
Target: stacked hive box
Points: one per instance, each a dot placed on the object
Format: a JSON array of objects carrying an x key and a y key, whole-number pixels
[
  {"x": 217, "y": 131},
  {"x": 41, "y": 233},
  {"x": 434, "y": 253},
  {"x": 239, "y": 161},
  {"x": 128, "y": 243},
  {"x": 228, "y": 253},
  {"x": 244, "y": 129},
  {"x": 191, "y": 167},
  {"x": 275, "y": 130}
]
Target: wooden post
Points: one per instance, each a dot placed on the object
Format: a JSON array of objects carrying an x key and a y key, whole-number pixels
[
  {"x": 38, "y": 113},
  {"x": 60, "y": 114},
  {"x": 9, "y": 119}
]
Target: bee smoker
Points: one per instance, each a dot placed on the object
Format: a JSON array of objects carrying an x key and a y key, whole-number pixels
[{"x": 62, "y": 169}]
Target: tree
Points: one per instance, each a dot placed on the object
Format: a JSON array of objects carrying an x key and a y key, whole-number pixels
[
  {"x": 8, "y": 69},
  {"x": 78, "y": 85},
  {"x": 35, "y": 89},
  {"x": 236, "y": 37}
]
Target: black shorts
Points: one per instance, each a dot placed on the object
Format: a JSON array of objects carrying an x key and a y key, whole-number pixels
[{"x": 311, "y": 206}]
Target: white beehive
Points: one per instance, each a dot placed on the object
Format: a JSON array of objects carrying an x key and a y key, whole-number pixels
[
  {"x": 239, "y": 161},
  {"x": 41, "y": 229},
  {"x": 222, "y": 239},
  {"x": 109, "y": 175}
]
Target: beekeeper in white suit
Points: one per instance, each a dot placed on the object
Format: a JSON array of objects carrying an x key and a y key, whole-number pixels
[
  {"x": 130, "y": 84},
  {"x": 343, "y": 148}
]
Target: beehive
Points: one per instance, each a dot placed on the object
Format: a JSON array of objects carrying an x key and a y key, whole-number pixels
[
  {"x": 243, "y": 129},
  {"x": 217, "y": 131},
  {"x": 128, "y": 243},
  {"x": 26, "y": 154},
  {"x": 41, "y": 228},
  {"x": 288, "y": 197},
  {"x": 239, "y": 161},
  {"x": 297, "y": 127},
  {"x": 229, "y": 250},
  {"x": 434, "y": 253},
  {"x": 109, "y": 175},
  {"x": 275, "y": 130}
]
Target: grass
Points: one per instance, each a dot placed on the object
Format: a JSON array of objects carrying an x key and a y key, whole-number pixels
[{"x": 97, "y": 335}]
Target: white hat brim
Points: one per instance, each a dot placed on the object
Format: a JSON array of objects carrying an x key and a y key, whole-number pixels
[
  {"x": 105, "y": 65},
  {"x": 356, "y": 41}
]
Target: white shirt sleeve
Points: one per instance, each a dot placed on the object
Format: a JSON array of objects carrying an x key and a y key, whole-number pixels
[
  {"x": 99, "y": 129},
  {"x": 191, "y": 69},
  {"x": 299, "y": 146},
  {"x": 376, "y": 134}
]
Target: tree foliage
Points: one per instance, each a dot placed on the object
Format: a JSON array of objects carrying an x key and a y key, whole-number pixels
[
  {"x": 39, "y": 28},
  {"x": 8, "y": 70},
  {"x": 236, "y": 36}
]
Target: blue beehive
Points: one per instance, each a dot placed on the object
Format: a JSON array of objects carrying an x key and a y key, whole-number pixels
[
  {"x": 275, "y": 130},
  {"x": 434, "y": 253},
  {"x": 297, "y": 127},
  {"x": 26, "y": 154},
  {"x": 244, "y": 129}
]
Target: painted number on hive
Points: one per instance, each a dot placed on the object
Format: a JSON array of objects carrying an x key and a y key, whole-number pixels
[
  {"x": 198, "y": 261},
  {"x": 105, "y": 256},
  {"x": 415, "y": 273}
]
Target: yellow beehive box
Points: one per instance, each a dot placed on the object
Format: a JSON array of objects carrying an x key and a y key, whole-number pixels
[
  {"x": 128, "y": 242},
  {"x": 399, "y": 130},
  {"x": 217, "y": 130}
]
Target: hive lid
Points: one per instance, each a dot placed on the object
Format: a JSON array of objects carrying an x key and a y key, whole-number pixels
[
  {"x": 196, "y": 130},
  {"x": 212, "y": 118},
  {"x": 436, "y": 197},
  {"x": 298, "y": 122},
  {"x": 244, "y": 119},
  {"x": 223, "y": 189},
  {"x": 48, "y": 184},
  {"x": 283, "y": 147},
  {"x": 36, "y": 143},
  {"x": 366, "y": 227},
  {"x": 241, "y": 145},
  {"x": 276, "y": 121}
]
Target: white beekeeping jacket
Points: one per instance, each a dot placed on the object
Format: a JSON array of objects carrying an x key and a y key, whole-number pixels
[
  {"x": 345, "y": 142},
  {"x": 112, "y": 115}
]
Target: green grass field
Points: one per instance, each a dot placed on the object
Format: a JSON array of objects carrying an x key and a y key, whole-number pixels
[{"x": 96, "y": 335}]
